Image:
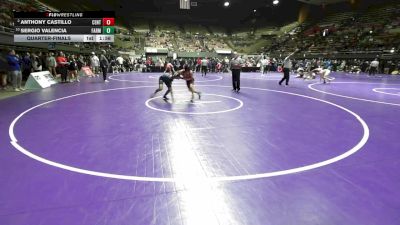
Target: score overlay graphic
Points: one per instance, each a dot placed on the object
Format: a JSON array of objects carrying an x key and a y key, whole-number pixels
[{"x": 95, "y": 26}]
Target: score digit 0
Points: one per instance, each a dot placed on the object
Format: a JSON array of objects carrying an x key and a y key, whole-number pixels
[
  {"x": 108, "y": 30},
  {"x": 108, "y": 21}
]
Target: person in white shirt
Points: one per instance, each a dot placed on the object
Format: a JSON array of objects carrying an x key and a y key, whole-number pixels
[
  {"x": 95, "y": 64},
  {"x": 373, "y": 67},
  {"x": 51, "y": 63},
  {"x": 263, "y": 64},
  {"x": 204, "y": 66},
  {"x": 225, "y": 64},
  {"x": 120, "y": 63},
  {"x": 267, "y": 65},
  {"x": 160, "y": 63}
]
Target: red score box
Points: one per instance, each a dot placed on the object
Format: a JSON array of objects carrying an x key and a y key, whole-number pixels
[{"x": 108, "y": 21}]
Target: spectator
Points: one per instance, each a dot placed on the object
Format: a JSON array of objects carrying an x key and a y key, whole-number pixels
[
  {"x": 72, "y": 69},
  {"x": 62, "y": 65},
  {"x": 36, "y": 63},
  {"x": 26, "y": 66},
  {"x": 14, "y": 69},
  {"x": 373, "y": 67},
  {"x": 104, "y": 64},
  {"x": 95, "y": 64},
  {"x": 3, "y": 70},
  {"x": 204, "y": 66},
  {"x": 81, "y": 62},
  {"x": 43, "y": 59},
  {"x": 51, "y": 63},
  {"x": 120, "y": 64}
]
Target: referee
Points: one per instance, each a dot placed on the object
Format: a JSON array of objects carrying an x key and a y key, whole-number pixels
[
  {"x": 236, "y": 66},
  {"x": 287, "y": 66}
]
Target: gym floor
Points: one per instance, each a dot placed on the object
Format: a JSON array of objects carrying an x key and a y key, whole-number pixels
[{"x": 111, "y": 153}]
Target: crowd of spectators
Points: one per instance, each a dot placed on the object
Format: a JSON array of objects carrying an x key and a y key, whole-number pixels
[
  {"x": 190, "y": 43},
  {"x": 215, "y": 42},
  {"x": 261, "y": 62},
  {"x": 66, "y": 66},
  {"x": 356, "y": 66},
  {"x": 15, "y": 67},
  {"x": 373, "y": 31},
  {"x": 184, "y": 42},
  {"x": 157, "y": 64},
  {"x": 160, "y": 39}
]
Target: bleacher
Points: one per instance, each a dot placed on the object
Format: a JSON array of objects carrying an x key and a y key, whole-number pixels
[
  {"x": 141, "y": 26},
  {"x": 219, "y": 31},
  {"x": 166, "y": 26},
  {"x": 195, "y": 29},
  {"x": 376, "y": 29},
  {"x": 336, "y": 18},
  {"x": 289, "y": 28},
  {"x": 6, "y": 11},
  {"x": 267, "y": 31},
  {"x": 160, "y": 39},
  {"x": 378, "y": 14}
]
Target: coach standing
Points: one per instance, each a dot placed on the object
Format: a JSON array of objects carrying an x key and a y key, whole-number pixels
[
  {"x": 104, "y": 64},
  {"x": 236, "y": 66}
]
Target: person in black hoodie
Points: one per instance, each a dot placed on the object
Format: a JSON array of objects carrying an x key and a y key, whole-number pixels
[
  {"x": 72, "y": 69},
  {"x": 80, "y": 62},
  {"x": 26, "y": 66}
]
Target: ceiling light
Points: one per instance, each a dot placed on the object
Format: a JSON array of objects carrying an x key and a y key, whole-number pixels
[
  {"x": 275, "y": 2},
  {"x": 226, "y": 4}
]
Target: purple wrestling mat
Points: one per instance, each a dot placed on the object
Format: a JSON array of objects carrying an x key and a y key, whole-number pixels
[{"x": 111, "y": 153}]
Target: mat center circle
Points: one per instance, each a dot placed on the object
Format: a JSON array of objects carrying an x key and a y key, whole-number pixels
[{"x": 182, "y": 104}]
